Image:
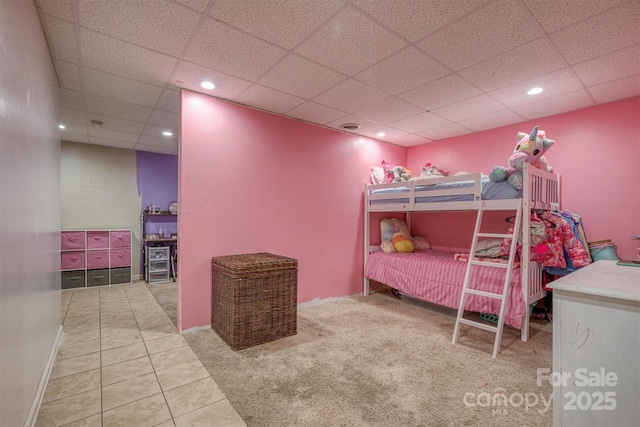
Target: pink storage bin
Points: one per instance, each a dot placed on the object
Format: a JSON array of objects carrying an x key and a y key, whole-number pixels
[
  {"x": 120, "y": 239},
  {"x": 72, "y": 260},
  {"x": 97, "y": 240},
  {"x": 98, "y": 259},
  {"x": 120, "y": 257},
  {"x": 72, "y": 240}
]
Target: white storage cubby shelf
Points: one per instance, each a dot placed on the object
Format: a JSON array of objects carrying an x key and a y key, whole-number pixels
[{"x": 95, "y": 257}]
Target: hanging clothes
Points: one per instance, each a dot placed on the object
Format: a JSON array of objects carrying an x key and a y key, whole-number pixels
[{"x": 567, "y": 253}]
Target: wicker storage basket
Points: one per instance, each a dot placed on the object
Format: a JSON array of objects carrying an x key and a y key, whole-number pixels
[{"x": 254, "y": 298}]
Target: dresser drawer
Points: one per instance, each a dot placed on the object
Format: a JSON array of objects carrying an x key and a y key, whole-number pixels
[
  {"x": 120, "y": 257},
  {"x": 120, "y": 275},
  {"x": 97, "y": 240},
  {"x": 72, "y": 260},
  {"x": 72, "y": 240},
  {"x": 98, "y": 277},
  {"x": 72, "y": 279},
  {"x": 120, "y": 239}
]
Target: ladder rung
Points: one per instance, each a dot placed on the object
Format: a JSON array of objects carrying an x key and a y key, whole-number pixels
[
  {"x": 496, "y": 235},
  {"x": 483, "y": 293},
  {"x": 490, "y": 263},
  {"x": 475, "y": 324}
]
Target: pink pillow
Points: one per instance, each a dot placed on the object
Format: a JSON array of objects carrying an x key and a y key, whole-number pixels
[{"x": 388, "y": 171}]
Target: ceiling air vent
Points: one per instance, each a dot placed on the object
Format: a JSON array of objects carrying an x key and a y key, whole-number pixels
[
  {"x": 350, "y": 126},
  {"x": 95, "y": 123}
]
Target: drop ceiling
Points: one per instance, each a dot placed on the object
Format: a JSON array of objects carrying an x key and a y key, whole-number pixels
[{"x": 419, "y": 71}]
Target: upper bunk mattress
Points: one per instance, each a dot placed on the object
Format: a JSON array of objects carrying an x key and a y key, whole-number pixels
[{"x": 490, "y": 191}]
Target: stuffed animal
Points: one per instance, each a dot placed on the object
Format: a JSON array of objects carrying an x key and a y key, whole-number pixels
[
  {"x": 395, "y": 173},
  {"x": 429, "y": 170},
  {"x": 529, "y": 149},
  {"x": 396, "y": 237}
]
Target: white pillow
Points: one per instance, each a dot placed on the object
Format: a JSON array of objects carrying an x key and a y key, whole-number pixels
[{"x": 377, "y": 175}]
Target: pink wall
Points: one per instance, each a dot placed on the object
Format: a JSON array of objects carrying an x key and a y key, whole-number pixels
[
  {"x": 597, "y": 153},
  {"x": 250, "y": 181}
]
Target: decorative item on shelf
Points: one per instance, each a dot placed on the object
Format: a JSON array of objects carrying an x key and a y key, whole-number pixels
[
  {"x": 155, "y": 209},
  {"x": 173, "y": 207},
  {"x": 174, "y": 236},
  {"x": 152, "y": 236}
]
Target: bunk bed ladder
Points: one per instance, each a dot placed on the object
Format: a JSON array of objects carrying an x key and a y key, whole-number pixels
[{"x": 466, "y": 290}]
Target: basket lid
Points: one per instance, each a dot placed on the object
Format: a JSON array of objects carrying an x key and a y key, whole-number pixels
[{"x": 262, "y": 261}]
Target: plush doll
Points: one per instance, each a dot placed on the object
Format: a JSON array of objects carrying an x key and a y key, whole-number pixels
[
  {"x": 529, "y": 149},
  {"x": 396, "y": 237},
  {"x": 429, "y": 170},
  {"x": 395, "y": 173}
]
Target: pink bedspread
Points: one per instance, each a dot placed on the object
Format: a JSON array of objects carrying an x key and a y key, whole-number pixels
[{"x": 434, "y": 276}]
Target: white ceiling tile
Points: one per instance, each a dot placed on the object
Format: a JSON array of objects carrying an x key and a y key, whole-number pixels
[
  {"x": 493, "y": 120},
  {"x": 522, "y": 63},
  {"x": 75, "y": 128},
  {"x": 116, "y": 124},
  {"x": 402, "y": 71},
  {"x": 114, "y": 108},
  {"x": 390, "y": 133},
  {"x": 468, "y": 108},
  {"x": 111, "y": 142},
  {"x": 269, "y": 99},
  {"x": 189, "y": 76},
  {"x": 301, "y": 77},
  {"x": 616, "y": 65},
  {"x": 447, "y": 131},
  {"x": 227, "y": 49},
  {"x": 494, "y": 29},
  {"x": 124, "y": 59},
  {"x": 72, "y": 137},
  {"x": 120, "y": 88},
  {"x": 551, "y": 106},
  {"x": 389, "y": 110},
  {"x": 155, "y": 149},
  {"x": 409, "y": 140},
  {"x": 415, "y": 19},
  {"x": 364, "y": 124},
  {"x": 69, "y": 75},
  {"x": 420, "y": 122},
  {"x": 554, "y": 15},
  {"x": 284, "y": 23},
  {"x": 170, "y": 101},
  {"x": 165, "y": 118},
  {"x": 62, "y": 9},
  {"x": 606, "y": 32},
  {"x": 315, "y": 113},
  {"x": 350, "y": 42},
  {"x": 554, "y": 84},
  {"x": 159, "y": 25},
  {"x": 72, "y": 99},
  {"x": 156, "y": 132},
  {"x": 441, "y": 92},
  {"x": 199, "y": 5},
  {"x": 351, "y": 96},
  {"x": 158, "y": 142},
  {"x": 61, "y": 37},
  {"x": 617, "y": 89},
  {"x": 73, "y": 116},
  {"x": 95, "y": 131}
]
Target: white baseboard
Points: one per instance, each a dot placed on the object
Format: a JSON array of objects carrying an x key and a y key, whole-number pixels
[{"x": 44, "y": 380}]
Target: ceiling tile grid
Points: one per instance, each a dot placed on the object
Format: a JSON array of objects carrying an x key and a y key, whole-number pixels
[{"x": 418, "y": 71}]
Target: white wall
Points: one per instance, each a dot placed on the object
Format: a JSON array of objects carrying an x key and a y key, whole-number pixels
[
  {"x": 29, "y": 209},
  {"x": 99, "y": 190}
]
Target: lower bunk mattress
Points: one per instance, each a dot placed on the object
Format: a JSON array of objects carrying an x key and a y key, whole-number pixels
[{"x": 435, "y": 276}]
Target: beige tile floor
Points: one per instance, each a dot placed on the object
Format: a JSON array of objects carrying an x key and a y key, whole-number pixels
[{"x": 122, "y": 363}]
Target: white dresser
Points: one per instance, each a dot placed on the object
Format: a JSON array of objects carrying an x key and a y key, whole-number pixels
[{"x": 596, "y": 357}]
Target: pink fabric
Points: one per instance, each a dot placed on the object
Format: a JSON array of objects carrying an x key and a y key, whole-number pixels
[
  {"x": 120, "y": 257},
  {"x": 72, "y": 260},
  {"x": 435, "y": 276},
  {"x": 98, "y": 259}
]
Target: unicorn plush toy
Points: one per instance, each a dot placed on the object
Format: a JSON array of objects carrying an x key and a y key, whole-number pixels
[{"x": 529, "y": 149}]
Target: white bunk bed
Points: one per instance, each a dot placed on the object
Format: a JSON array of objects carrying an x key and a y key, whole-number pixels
[{"x": 541, "y": 191}]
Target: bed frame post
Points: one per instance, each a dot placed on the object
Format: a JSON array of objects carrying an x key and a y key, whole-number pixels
[
  {"x": 526, "y": 250},
  {"x": 367, "y": 230}
]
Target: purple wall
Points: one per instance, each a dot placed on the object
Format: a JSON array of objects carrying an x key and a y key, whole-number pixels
[{"x": 157, "y": 176}]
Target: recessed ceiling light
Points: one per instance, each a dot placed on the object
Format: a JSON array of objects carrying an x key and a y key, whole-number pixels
[
  {"x": 381, "y": 134},
  {"x": 535, "y": 91},
  {"x": 61, "y": 126},
  {"x": 207, "y": 85},
  {"x": 167, "y": 133}
]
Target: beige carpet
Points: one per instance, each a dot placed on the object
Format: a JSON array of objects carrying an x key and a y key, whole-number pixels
[{"x": 377, "y": 361}]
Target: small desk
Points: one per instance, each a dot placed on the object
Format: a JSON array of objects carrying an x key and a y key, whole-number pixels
[{"x": 596, "y": 342}]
